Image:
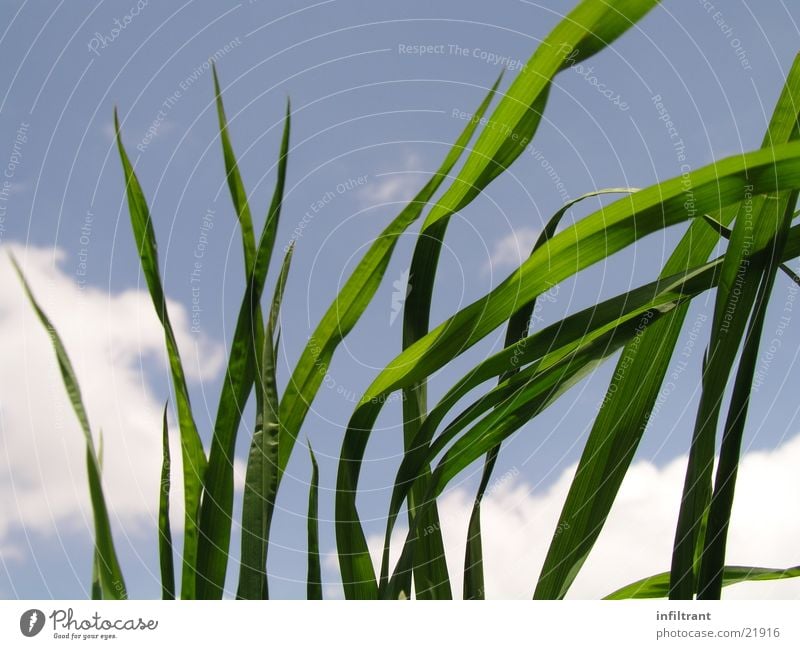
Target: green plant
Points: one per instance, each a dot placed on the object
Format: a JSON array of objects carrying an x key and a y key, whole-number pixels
[{"x": 755, "y": 192}]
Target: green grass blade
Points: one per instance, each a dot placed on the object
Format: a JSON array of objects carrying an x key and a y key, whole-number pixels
[
  {"x": 431, "y": 578},
  {"x": 588, "y": 28},
  {"x": 164, "y": 529},
  {"x": 715, "y": 536},
  {"x": 240, "y": 376},
  {"x": 97, "y": 584},
  {"x": 262, "y": 467},
  {"x": 194, "y": 459},
  {"x": 657, "y": 586},
  {"x": 577, "y": 247},
  {"x": 518, "y": 329},
  {"x": 314, "y": 577},
  {"x": 760, "y": 219},
  {"x": 106, "y": 564},
  {"x": 235, "y": 183}
]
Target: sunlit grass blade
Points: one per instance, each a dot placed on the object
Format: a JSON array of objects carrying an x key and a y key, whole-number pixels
[
  {"x": 262, "y": 467},
  {"x": 194, "y": 459},
  {"x": 164, "y": 529},
  {"x": 314, "y": 574},
  {"x": 587, "y": 29},
  {"x": 217, "y": 508},
  {"x": 759, "y": 222},
  {"x": 657, "y": 586},
  {"x": 577, "y": 247},
  {"x": 109, "y": 574},
  {"x": 518, "y": 328}
]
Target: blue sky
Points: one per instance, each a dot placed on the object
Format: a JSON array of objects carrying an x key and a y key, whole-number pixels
[{"x": 378, "y": 92}]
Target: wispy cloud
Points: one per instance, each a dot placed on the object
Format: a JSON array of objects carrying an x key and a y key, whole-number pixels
[
  {"x": 108, "y": 336},
  {"x": 394, "y": 186},
  {"x": 511, "y": 250}
]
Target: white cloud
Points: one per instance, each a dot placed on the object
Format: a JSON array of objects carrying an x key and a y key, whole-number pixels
[
  {"x": 511, "y": 250},
  {"x": 636, "y": 542},
  {"x": 109, "y": 337},
  {"x": 399, "y": 186}
]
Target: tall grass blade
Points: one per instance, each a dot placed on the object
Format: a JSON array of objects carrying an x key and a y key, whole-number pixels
[
  {"x": 194, "y": 459},
  {"x": 262, "y": 467},
  {"x": 314, "y": 575},
  {"x": 217, "y": 508},
  {"x": 758, "y": 223},
  {"x": 715, "y": 536},
  {"x": 106, "y": 564},
  {"x": 164, "y": 528}
]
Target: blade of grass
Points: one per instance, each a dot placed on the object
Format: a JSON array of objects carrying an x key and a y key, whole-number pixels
[
  {"x": 164, "y": 529},
  {"x": 194, "y": 459},
  {"x": 235, "y": 183},
  {"x": 657, "y": 586},
  {"x": 431, "y": 578},
  {"x": 587, "y": 29},
  {"x": 518, "y": 328},
  {"x": 713, "y": 558},
  {"x": 757, "y": 225},
  {"x": 262, "y": 466},
  {"x": 97, "y": 585},
  {"x": 314, "y": 577},
  {"x": 106, "y": 564},
  {"x": 577, "y": 247},
  {"x": 240, "y": 376}
]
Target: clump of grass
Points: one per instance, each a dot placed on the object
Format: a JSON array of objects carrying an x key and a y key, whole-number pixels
[{"x": 532, "y": 371}]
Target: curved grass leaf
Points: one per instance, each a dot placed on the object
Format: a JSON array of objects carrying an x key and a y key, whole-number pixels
[
  {"x": 216, "y": 513},
  {"x": 108, "y": 582},
  {"x": 262, "y": 470},
  {"x": 577, "y": 247},
  {"x": 314, "y": 575},
  {"x": 657, "y": 586},
  {"x": 588, "y": 28},
  {"x": 194, "y": 459},
  {"x": 164, "y": 530}
]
